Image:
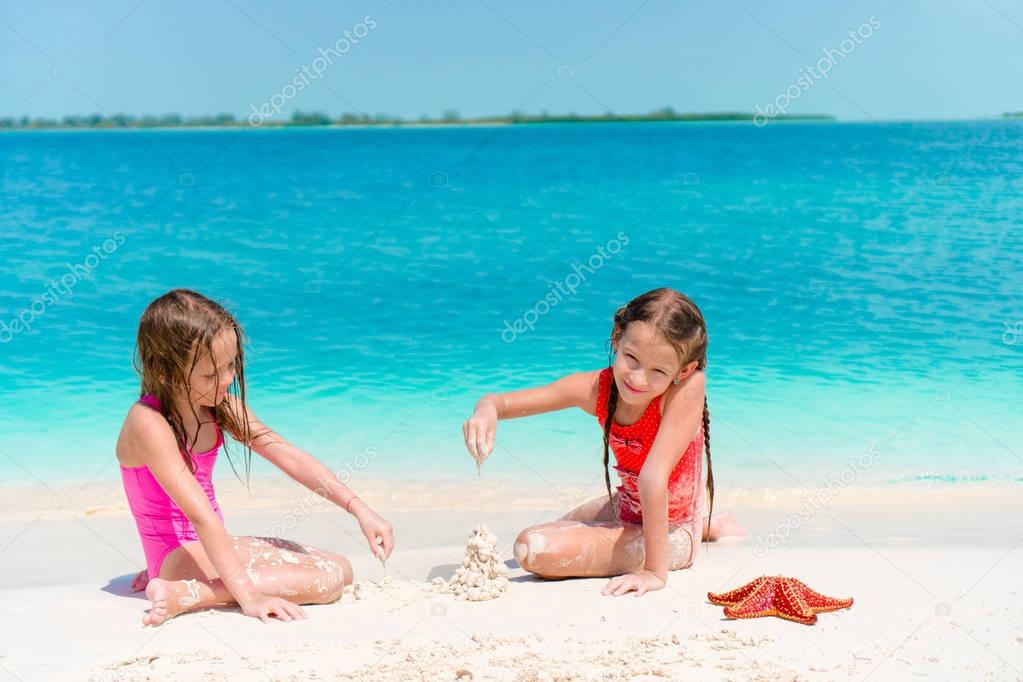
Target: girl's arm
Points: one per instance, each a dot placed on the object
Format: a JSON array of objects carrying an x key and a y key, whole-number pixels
[
  {"x": 575, "y": 390},
  {"x": 314, "y": 475},
  {"x": 151, "y": 436},
  {"x": 683, "y": 411}
]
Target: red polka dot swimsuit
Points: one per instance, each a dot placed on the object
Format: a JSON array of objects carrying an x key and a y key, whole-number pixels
[{"x": 631, "y": 444}]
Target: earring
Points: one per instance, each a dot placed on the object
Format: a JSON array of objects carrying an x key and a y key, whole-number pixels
[{"x": 676, "y": 381}]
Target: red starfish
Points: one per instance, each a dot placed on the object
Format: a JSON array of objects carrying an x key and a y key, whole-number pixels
[{"x": 777, "y": 595}]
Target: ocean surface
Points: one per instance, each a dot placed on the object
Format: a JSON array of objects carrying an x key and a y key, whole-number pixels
[{"x": 862, "y": 284}]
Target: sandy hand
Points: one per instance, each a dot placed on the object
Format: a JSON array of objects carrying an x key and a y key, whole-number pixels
[
  {"x": 378, "y": 533},
  {"x": 640, "y": 582},
  {"x": 264, "y": 606},
  {"x": 479, "y": 432}
]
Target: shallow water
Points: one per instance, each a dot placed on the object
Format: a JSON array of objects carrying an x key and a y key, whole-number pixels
[{"x": 861, "y": 285}]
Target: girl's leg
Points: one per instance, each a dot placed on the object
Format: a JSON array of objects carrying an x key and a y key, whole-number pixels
[
  {"x": 721, "y": 525},
  {"x": 572, "y": 549},
  {"x": 600, "y": 510},
  {"x": 597, "y": 510},
  {"x": 280, "y": 568}
]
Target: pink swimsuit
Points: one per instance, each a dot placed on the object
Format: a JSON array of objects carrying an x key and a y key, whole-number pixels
[
  {"x": 631, "y": 444},
  {"x": 162, "y": 526}
]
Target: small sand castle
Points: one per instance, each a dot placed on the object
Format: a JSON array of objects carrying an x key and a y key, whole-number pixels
[{"x": 483, "y": 574}]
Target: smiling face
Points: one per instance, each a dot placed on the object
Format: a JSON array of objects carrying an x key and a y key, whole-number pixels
[
  {"x": 645, "y": 364},
  {"x": 212, "y": 376}
]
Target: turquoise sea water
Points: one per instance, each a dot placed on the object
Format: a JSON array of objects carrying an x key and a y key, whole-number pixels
[{"x": 862, "y": 286}]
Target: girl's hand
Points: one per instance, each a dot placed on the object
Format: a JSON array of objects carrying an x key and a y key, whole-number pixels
[
  {"x": 378, "y": 532},
  {"x": 641, "y": 582},
  {"x": 139, "y": 583},
  {"x": 264, "y": 606},
  {"x": 479, "y": 431}
]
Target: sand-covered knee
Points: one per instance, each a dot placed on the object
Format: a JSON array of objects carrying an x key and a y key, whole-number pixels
[
  {"x": 680, "y": 549},
  {"x": 536, "y": 544},
  {"x": 528, "y": 546}
]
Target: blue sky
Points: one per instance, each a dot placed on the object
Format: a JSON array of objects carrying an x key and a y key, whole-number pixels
[{"x": 928, "y": 59}]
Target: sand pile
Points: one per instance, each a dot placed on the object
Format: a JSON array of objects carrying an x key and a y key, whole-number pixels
[
  {"x": 483, "y": 574},
  {"x": 481, "y": 577}
]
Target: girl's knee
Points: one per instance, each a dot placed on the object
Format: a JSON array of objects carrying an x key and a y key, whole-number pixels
[
  {"x": 347, "y": 574},
  {"x": 680, "y": 549},
  {"x": 331, "y": 594},
  {"x": 338, "y": 575},
  {"x": 532, "y": 548},
  {"x": 334, "y": 564},
  {"x": 322, "y": 586}
]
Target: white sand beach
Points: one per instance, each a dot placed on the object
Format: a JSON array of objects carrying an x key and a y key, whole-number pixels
[{"x": 932, "y": 570}]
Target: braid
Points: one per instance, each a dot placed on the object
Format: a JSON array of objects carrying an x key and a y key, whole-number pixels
[
  {"x": 706, "y": 449},
  {"x": 680, "y": 323},
  {"x": 612, "y": 403}
]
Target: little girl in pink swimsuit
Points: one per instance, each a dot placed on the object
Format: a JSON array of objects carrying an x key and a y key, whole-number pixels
[
  {"x": 652, "y": 406},
  {"x": 190, "y": 356}
]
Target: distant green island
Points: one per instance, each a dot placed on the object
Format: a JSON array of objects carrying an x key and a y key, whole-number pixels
[
  {"x": 307, "y": 119},
  {"x": 1013, "y": 114}
]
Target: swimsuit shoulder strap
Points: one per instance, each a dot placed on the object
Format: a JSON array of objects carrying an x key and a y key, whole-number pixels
[{"x": 150, "y": 401}]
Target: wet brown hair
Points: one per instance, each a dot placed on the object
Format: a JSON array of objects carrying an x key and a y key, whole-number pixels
[
  {"x": 680, "y": 323},
  {"x": 175, "y": 332}
]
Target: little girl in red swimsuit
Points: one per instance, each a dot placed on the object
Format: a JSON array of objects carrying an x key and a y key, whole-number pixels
[{"x": 652, "y": 406}]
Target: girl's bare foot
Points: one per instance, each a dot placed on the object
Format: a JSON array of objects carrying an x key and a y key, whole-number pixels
[
  {"x": 168, "y": 598},
  {"x": 724, "y": 525},
  {"x": 140, "y": 581}
]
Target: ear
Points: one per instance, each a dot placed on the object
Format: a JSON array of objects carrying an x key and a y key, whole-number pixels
[
  {"x": 686, "y": 370},
  {"x": 616, "y": 337}
]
